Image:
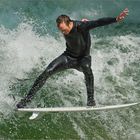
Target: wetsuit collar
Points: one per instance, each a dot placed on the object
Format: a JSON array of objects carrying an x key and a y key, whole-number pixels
[{"x": 72, "y": 27}]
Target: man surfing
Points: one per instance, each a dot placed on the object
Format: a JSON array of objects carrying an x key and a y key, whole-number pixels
[{"x": 76, "y": 56}]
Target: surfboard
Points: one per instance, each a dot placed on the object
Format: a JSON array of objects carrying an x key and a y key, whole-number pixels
[{"x": 37, "y": 111}]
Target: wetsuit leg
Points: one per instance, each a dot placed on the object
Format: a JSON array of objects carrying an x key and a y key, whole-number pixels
[
  {"x": 60, "y": 63},
  {"x": 85, "y": 64}
]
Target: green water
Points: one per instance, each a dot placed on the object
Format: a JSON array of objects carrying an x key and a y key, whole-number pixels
[{"x": 29, "y": 41}]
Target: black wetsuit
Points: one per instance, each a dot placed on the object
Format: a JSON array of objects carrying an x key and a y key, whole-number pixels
[{"x": 76, "y": 56}]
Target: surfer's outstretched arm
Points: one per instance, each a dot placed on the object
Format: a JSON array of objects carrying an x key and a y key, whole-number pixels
[
  {"x": 87, "y": 25},
  {"x": 100, "y": 22}
]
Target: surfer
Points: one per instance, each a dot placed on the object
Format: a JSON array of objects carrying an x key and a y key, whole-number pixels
[{"x": 77, "y": 54}]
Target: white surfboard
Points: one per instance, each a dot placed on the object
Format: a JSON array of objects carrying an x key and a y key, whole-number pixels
[{"x": 36, "y": 111}]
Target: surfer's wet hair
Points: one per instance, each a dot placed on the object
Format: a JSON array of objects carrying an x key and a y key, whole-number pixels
[{"x": 63, "y": 18}]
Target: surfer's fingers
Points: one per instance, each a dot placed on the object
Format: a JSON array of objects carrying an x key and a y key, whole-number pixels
[{"x": 126, "y": 11}]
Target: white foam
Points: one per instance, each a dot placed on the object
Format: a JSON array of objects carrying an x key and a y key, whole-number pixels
[
  {"x": 21, "y": 50},
  {"x": 104, "y": 91}
]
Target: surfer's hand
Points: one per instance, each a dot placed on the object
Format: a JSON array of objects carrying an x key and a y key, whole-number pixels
[
  {"x": 122, "y": 15},
  {"x": 84, "y": 20}
]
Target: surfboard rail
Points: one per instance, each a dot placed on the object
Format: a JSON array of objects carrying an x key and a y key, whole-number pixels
[
  {"x": 76, "y": 109},
  {"x": 37, "y": 111}
]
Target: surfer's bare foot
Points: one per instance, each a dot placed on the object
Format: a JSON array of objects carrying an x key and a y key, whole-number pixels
[{"x": 91, "y": 103}]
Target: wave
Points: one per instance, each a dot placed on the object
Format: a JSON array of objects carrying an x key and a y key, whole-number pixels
[{"x": 29, "y": 41}]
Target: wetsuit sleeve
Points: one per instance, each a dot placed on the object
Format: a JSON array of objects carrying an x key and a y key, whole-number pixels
[{"x": 96, "y": 23}]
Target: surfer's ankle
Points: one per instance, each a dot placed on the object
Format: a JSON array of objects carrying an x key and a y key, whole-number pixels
[
  {"x": 91, "y": 103},
  {"x": 22, "y": 103}
]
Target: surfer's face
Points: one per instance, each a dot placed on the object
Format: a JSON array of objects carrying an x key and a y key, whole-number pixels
[{"x": 64, "y": 28}]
